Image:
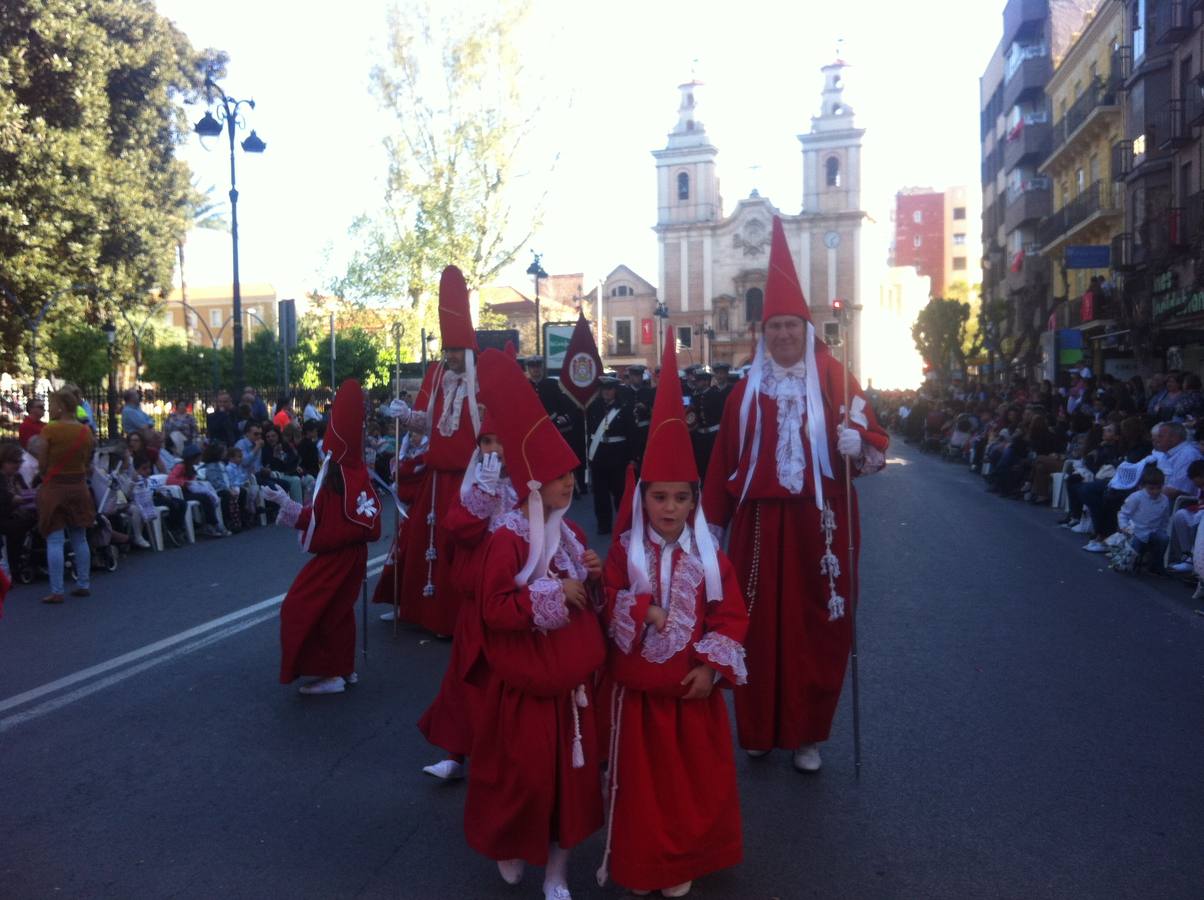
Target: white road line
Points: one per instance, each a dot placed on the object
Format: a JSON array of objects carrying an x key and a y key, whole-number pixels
[{"x": 150, "y": 649}]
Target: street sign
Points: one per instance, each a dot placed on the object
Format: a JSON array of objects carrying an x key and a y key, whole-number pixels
[
  {"x": 1088, "y": 256},
  {"x": 556, "y": 337},
  {"x": 286, "y": 317}
]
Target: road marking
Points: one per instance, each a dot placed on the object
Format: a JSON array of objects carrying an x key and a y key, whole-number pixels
[{"x": 150, "y": 649}]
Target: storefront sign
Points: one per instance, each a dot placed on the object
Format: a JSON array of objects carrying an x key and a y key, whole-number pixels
[
  {"x": 1178, "y": 304},
  {"x": 1164, "y": 282},
  {"x": 1088, "y": 256}
]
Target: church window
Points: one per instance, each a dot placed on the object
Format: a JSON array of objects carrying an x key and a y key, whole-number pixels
[
  {"x": 683, "y": 186},
  {"x": 753, "y": 300},
  {"x": 837, "y": 109},
  {"x": 685, "y": 336},
  {"x": 723, "y": 322},
  {"x": 832, "y": 165}
]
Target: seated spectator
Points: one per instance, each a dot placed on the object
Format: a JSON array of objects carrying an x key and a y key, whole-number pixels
[
  {"x": 141, "y": 508},
  {"x": 136, "y": 444},
  {"x": 220, "y": 425},
  {"x": 32, "y": 424},
  {"x": 238, "y": 477},
  {"x": 1104, "y": 497},
  {"x": 1185, "y": 522},
  {"x": 285, "y": 466},
  {"x": 311, "y": 414},
  {"x": 132, "y": 416},
  {"x": 1175, "y": 455},
  {"x": 18, "y": 504},
  {"x": 1168, "y": 401},
  {"x": 180, "y": 427},
  {"x": 184, "y": 475},
  {"x": 1144, "y": 518},
  {"x": 154, "y": 444},
  {"x": 284, "y": 412},
  {"x": 308, "y": 455},
  {"x": 213, "y": 470}
]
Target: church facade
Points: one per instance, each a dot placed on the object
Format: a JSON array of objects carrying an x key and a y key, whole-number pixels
[{"x": 712, "y": 264}]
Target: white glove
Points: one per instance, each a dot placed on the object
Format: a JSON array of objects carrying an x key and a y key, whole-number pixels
[
  {"x": 489, "y": 473},
  {"x": 849, "y": 442},
  {"x": 273, "y": 494},
  {"x": 398, "y": 409}
]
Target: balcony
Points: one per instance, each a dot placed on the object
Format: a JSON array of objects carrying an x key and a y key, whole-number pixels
[
  {"x": 1173, "y": 124},
  {"x": 1030, "y": 203},
  {"x": 1095, "y": 200},
  {"x": 1122, "y": 66},
  {"x": 1125, "y": 256},
  {"x": 1023, "y": 19},
  {"x": 1170, "y": 22},
  {"x": 1122, "y": 160},
  {"x": 1190, "y": 227},
  {"x": 1029, "y": 142},
  {"x": 1033, "y": 270},
  {"x": 1028, "y": 80},
  {"x": 1100, "y": 308},
  {"x": 1098, "y": 97}
]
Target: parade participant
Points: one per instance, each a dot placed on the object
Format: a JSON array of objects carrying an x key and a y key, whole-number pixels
[
  {"x": 317, "y": 618},
  {"x": 777, "y": 478},
  {"x": 722, "y": 379},
  {"x": 611, "y": 447},
  {"x": 639, "y": 395},
  {"x": 565, "y": 414},
  {"x": 447, "y": 411},
  {"x": 676, "y": 621},
  {"x": 485, "y": 495},
  {"x": 533, "y": 786},
  {"x": 409, "y": 472}
]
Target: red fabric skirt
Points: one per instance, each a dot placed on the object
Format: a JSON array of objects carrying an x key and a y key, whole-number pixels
[
  {"x": 677, "y": 808},
  {"x": 523, "y": 792},
  {"x": 451, "y": 719},
  {"x": 796, "y": 656},
  {"x": 317, "y": 618}
]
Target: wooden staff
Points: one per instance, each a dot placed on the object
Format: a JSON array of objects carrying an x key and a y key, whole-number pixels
[
  {"x": 852, "y": 558},
  {"x": 397, "y": 329}
]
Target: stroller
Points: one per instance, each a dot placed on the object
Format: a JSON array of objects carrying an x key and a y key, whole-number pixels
[{"x": 31, "y": 561}]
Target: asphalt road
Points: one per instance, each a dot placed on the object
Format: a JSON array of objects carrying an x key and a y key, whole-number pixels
[{"x": 1032, "y": 727}]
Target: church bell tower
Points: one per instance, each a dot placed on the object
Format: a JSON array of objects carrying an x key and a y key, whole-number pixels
[
  {"x": 687, "y": 183},
  {"x": 832, "y": 150}
]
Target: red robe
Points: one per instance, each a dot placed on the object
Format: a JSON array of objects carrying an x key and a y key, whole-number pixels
[
  {"x": 317, "y": 618},
  {"x": 797, "y": 653},
  {"x": 407, "y": 481},
  {"x": 676, "y": 813},
  {"x": 523, "y": 790},
  {"x": 428, "y": 598},
  {"x": 449, "y": 721}
]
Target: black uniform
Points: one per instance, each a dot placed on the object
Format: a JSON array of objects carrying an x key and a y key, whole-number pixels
[
  {"x": 709, "y": 404},
  {"x": 610, "y": 456},
  {"x": 568, "y": 419},
  {"x": 640, "y": 401}
]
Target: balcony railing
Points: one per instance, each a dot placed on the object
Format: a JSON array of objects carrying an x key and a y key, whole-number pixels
[
  {"x": 1027, "y": 81},
  {"x": 1028, "y": 142},
  {"x": 1098, "y": 94},
  {"x": 1171, "y": 22},
  {"x": 1122, "y": 159},
  {"x": 1096, "y": 198},
  {"x": 1173, "y": 124},
  {"x": 1122, "y": 66},
  {"x": 1023, "y": 17},
  {"x": 1029, "y": 203},
  {"x": 1027, "y": 269}
]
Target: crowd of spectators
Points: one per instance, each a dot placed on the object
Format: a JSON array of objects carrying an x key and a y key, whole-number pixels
[
  {"x": 1118, "y": 458},
  {"x": 67, "y": 499}
]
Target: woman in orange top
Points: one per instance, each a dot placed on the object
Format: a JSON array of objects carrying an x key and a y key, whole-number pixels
[{"x": 64, "y": 450}]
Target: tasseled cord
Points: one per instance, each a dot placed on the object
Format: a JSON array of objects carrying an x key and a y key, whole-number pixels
[
  {"x": 579, "y": 701},
  {"x": 616, "y": 727}
]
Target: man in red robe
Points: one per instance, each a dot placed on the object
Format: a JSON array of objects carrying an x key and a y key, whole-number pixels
[
  {"x": 776, "y": 477},
  {"x": 451, "y": 418}
]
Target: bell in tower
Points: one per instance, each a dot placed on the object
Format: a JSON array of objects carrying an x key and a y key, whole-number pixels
[{"x": 832, "y": 149}]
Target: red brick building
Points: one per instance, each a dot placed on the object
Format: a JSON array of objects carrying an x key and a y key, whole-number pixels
[{"x": 919, "y": 238}]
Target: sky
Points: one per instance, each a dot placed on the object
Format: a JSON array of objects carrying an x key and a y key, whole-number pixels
[{"x": 612, "y": 70}]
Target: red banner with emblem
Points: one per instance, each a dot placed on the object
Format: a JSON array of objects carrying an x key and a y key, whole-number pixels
[
  {"x": 1087, "y": 310},
  {"x": 582, "y": 365},
  {"x": 646, "y": 331}
]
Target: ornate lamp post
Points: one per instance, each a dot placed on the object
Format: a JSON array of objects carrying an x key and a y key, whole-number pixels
[
  {"x": 229, "y": 118},
  {"x": 662, "y": 317},
  {"x": 110, "y": 331},
  {"x": 536, "y": 271}
]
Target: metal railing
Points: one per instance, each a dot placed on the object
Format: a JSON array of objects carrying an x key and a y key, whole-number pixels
[{"x": 1098, "y": 94}]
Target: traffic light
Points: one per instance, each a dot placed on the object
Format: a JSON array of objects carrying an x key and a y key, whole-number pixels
[{"x": 837, "y": 305}]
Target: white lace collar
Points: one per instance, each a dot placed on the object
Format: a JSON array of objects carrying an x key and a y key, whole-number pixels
[{"x": 454, "y": 388}]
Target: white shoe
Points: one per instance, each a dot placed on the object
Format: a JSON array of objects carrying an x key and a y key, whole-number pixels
[
  {"x": 335, "y": 685},
  {"x": 387, "y": 617},
  {"x": 556, "y": 891},
  {"x": 1096, "y": 547},
  {"x": 1083, "y": 527},
  {"x": 1181, "y": 567},
  {"x": 679, "y": 890},
  {"x": 511, "y": 870},
  {"x": 353, "y": 678},
  {"x": 1071, "y": 525},
  {"x": 806, "y": 758},
  {"x": 142, "y": 542},
  {"x": 756, "y": 754},
  {"x": 447, "y": 770}
]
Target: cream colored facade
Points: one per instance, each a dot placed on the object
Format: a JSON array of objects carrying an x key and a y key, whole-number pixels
[
  {"x": 890, "y": 358},
  {"x": 207, "y": 315},
  {"x": 1085, "y": 101},
  {"x": 963, "y": 239}
]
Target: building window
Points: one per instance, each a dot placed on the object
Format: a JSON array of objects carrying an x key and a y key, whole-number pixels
[
  {"x": 621, "y": 291},
  {"x": 833, "y": 171},
  {"x": 623, "y": 337},
  {"x": 917, "y": 241},
  {"x": 722, "y": 320},
  {"x": 685, "y": 336},
  {"x": 753, "y": 300},
  {"x": 832, "y": 334},
  {"x": 215, "y": 318},
  {"x": 959, "y": 240},
  {"x": 959, "y": 212},
  {"x": 918, "y": 218},
  {"x": 683, "y": 186},
  {"x": 959, "y": 263}
]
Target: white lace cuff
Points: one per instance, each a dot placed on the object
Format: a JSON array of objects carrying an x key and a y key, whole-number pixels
[
  {"x": 416, "y": 420},
  {"x": 622, "y": 625},
  {"x": 871, "y": 459},
  {"x": 723, "y": 653},
  {"x": 480, "y": 503},
  {"x": 548, "y": 608},
  {"x": 290, "y": 511}
]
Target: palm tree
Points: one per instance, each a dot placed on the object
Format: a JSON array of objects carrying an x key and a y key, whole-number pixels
[{"x": 201, "y": 211}]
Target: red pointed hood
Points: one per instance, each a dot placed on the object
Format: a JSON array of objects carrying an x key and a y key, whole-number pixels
[
  {"x": 511, "y": 350},
  {"x": 783, "y": 293},
  {"x": 455, "y": 319},
  {"x": 669, "y": 455},
  {"x": 344, "y": 438},
  {"x": 535, "y": 451}
]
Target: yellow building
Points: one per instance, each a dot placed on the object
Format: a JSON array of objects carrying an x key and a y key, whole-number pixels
[
  {"x": 207, "y": 314},
  {"x": 1085, "y": 105}
]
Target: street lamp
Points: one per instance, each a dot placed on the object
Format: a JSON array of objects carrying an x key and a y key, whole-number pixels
[
  {"x": 708, "y": 335},
  {"x": 229, "y": 118},
  {"x": 110, "y": 331},
  {"x": 427, "y": 347},
  {"x": 662, "y": 316},
  {"x": 536, "y": 271}
]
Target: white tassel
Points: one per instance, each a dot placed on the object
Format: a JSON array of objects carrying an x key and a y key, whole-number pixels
[
  {"x": 616, "y": 725},
  {"x": 578, "y": 750},
  {"x": 581, "y": 697}
]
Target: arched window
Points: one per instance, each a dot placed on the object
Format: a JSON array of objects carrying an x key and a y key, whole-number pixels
[
  {"x": 723, "y": 323},
  {"x": 753, "y": 299},
  {"x": 683, "y": 186},
  {"x": 832, "y": 165}
]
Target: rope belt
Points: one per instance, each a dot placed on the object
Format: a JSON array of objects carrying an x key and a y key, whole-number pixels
[
  {"x": 710, "y": 429},
  {"x": 613, "y": 440}
]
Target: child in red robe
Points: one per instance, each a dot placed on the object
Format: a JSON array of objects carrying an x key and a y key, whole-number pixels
[
  {"x": 317, "y": 618},
  {"x": 485, "y": 496},
  {"x": 677, "y": 621},
  {"x": 533, "y": 789}
]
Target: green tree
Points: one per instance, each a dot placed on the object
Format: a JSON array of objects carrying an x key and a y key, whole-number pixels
[
  {"x": 939, "y": 333},
  {"x": 184, "y": 367},
  {"x": 83, "y": 354},
  {"x": 358, "y": 354},
  {"x": 201, "y": 210},
  {"x": 454, "y": 85},
  {"x": 90, "y": 188}
]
